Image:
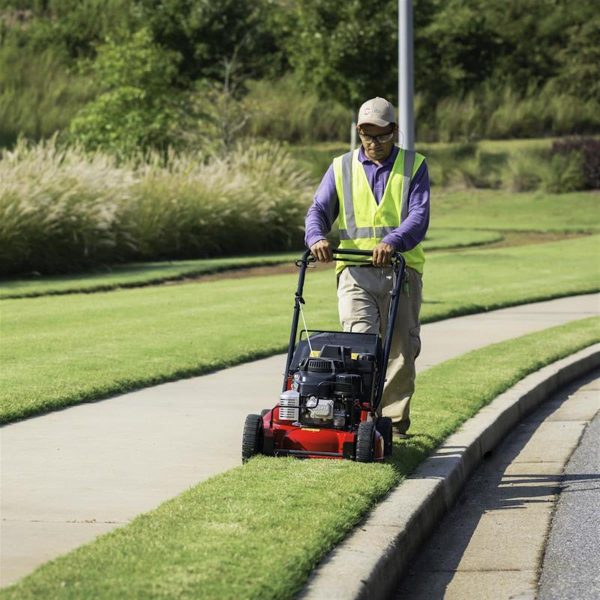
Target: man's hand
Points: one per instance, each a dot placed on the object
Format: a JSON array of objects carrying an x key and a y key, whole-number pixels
[
  {"x": 321, "y": 250},
  {"x": 382, "y": 254}
]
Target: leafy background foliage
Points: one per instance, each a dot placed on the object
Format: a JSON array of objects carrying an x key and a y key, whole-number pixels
[{"x": 488, "y": 59}]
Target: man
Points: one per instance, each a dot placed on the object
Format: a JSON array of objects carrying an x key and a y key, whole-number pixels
[{"x": 380, "y": 196}]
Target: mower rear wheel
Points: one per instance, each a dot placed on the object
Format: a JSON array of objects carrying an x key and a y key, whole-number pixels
[
  {"x": 384, "y": 426},
  {"x": 264, "y": 411},
  {"x": 365, "y": 441},
  {"x": 252, "y": 437}
]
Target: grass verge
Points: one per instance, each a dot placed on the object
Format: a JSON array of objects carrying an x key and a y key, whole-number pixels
[
  {"x": 531, "y": 211},
  {"x": 134, "y": 275},
  {"x": 258, "y": 530},
  {"x": 58, "y": 351}
]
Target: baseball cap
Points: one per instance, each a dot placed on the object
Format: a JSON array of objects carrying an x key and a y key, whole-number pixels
[{"x": 377, "y": 111}]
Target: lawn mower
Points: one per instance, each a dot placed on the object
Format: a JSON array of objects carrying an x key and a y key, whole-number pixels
[{"x": 332, "y": 387}]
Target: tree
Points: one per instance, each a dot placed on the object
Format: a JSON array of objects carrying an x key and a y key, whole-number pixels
[
  {"x": 208, "y": 34},
  {"x": 139, "y": 108}
]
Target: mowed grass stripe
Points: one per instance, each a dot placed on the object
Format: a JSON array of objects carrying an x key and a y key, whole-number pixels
[
  {"x": 143, "y": 274},
  {"x": 508, "y": 211},
  {"x": 133, "y": 275},
  {"x": 257, "y": 531},
  {"x": 58, "y": 351}
]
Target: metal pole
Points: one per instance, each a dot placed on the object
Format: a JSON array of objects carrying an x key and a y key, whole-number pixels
[{"x": 406, "y": 122}]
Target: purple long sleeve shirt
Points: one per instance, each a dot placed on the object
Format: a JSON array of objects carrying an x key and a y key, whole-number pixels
[{"x": 325, "y": 207}]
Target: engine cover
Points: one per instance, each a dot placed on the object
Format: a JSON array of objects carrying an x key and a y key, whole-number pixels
[{"x": 323, "y": 410}]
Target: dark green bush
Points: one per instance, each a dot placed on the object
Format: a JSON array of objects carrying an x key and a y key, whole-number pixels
[{"x": 588, "y": 153}]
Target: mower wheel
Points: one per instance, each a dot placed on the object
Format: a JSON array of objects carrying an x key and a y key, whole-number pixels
[
  {"x": 384, "y": 426},
  {"x": 264, "y": 411},
  {"x": 252, "y": 437},
  {"x": 365, "y": 441}
]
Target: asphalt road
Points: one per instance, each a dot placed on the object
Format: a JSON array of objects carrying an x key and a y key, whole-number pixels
[{"x": 571, "y": 568}]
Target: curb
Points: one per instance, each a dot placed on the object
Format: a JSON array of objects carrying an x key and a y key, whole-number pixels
[{"x": 370, "y": 562}]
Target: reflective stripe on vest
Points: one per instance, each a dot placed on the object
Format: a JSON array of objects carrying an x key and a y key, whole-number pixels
[{"x": 362, "y": 222}]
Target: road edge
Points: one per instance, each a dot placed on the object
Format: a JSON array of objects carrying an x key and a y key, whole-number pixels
[{"x": 370, "y": 562}]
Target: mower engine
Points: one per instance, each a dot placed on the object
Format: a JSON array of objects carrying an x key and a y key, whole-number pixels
[{"x": 326, "y": 391}]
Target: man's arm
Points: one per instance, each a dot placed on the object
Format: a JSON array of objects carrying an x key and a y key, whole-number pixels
[
  {"x": 413, "y": 229},
  {"x": 320, "y": 217}
]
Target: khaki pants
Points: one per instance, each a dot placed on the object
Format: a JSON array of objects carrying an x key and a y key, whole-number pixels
[{"x": 364, "y": 295}]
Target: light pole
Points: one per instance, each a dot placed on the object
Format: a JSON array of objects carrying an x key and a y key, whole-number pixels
[{"x": 406, "y": 121}]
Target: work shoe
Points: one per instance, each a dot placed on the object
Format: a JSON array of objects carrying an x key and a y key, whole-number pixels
[{"x": 400, "y": 428}]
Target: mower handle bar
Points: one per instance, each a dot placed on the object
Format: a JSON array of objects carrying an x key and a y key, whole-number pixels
[
  {"x": 340, "y": 252},
  {"x": 398, "y": 265}
]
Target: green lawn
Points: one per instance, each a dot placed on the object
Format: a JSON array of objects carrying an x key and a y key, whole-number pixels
[
  {"x": 58, "y": 351},
  {"x": 439, "y": 238},
  {"x": 533, "y": 211},
  {"x": 140, "y": 274},
  {"x": 132, "y": 275},
  {"x": 257, "y": 531}
]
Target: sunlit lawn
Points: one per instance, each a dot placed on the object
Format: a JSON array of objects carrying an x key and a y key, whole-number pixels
[
  {"x": 257, "y": 531},
  {"x": 61, "y": 350}
]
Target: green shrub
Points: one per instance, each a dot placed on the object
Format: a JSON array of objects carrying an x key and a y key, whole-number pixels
[
  {"x": 588, "y": 150},
  {"x": 523, "y": 171},
  {"x": 139, "y": 108},
  {"x": 563, "y": 173},
  {"x": 552, "y": 172},
  {"x": 62, "y": 210}
]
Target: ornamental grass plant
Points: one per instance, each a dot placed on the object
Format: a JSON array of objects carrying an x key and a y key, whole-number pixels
[{"x": 62, "y": 209}]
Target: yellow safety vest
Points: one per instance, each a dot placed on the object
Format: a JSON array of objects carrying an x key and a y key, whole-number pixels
[{"x": 362, "y": 222}]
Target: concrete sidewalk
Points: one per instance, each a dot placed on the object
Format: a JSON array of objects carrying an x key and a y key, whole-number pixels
[{"x": 74, "y": 474}]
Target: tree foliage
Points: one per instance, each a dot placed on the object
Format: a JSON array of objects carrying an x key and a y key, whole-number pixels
[
  {"x": 210, "y": 35},
  {"x": 465, "y": 50},
  {"x": 138, "y": 107}
]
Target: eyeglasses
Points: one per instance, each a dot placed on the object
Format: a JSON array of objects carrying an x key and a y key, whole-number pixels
[{"x": 382, "y": 139}]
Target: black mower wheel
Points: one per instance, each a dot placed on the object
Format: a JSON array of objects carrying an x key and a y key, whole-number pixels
[
  {"x": 365, "y": 441},
  {"x": 252, "y": 437},
  {"x": 384, "y": 426},
  {"x": 264, "y": 411}
]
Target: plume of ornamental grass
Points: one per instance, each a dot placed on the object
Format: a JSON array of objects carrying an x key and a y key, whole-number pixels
[
  {"x": 59, "y": 209},
  {"x": 62, "y": 209}
]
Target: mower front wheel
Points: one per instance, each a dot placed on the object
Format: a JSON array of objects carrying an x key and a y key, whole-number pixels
[
  {"x": 384, "y": 426},
  {"x": 365, "y": 441},
  {"x": 252, "y": 437}
]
